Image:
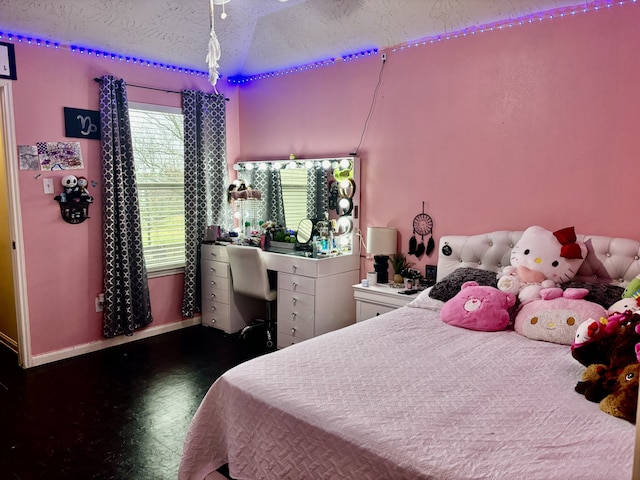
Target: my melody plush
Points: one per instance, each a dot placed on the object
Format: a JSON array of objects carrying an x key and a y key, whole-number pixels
[
  {"x": 557, "y": 315},
  {"x": 609, "y": 348},
  {"x": 478, "y": 307},
  {"x": 542, "y": 259}
]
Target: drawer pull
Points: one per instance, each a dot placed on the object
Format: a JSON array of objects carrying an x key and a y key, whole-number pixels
[
  {"x": 294, "y": 268},
  {"x": 213, "y": 308},
  {"x": 213, "y": 295},
  {"x": 294, "y": 300},
  {"x": 293, "y": 315},
  {"x": 214, "y": 254},
  {"x": 293, "y": 331},
  {"x": 294, "y": 285},
  {"x": 212, "y": 270},
  {"x": 213, "y": 283}
]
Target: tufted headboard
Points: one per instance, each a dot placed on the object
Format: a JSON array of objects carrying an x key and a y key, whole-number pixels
[{"x": 609, "y": 260}]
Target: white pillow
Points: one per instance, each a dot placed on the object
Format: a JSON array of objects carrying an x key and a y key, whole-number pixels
[{"x": 424, "y": 301}]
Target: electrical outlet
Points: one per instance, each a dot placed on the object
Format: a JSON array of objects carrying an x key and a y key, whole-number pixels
[
  {"x": 98, "y": 304},
  {"x": 384, "y": 57}
]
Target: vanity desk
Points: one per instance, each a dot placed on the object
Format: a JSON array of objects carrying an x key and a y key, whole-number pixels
[
  {"x": 314, "y": 287},
  {"x": 314, "y": 294}
]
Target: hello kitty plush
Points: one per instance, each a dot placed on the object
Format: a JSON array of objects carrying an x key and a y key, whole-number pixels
[{"x": 542, "y": 259}]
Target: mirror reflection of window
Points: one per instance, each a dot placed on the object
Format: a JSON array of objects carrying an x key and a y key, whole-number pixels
[{"x": 294, "y": 195}]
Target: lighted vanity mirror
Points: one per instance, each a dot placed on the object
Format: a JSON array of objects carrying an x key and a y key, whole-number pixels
[
  {"x": 305, "y": 229},
  {"x": 310, "y": 189}
]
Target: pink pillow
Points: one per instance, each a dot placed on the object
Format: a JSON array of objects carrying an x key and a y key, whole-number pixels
[{"x": 478, "y": 308}]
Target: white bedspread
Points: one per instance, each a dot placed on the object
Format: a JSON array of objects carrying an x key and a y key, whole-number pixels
[{"x": 404, "y": 396}]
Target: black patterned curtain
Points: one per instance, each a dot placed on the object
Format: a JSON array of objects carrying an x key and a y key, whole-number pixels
[
  {"x": 205, "y": 182},
  {"x": 127, "y": 306},
  {"x": 269, "y": 183},
  {"x": 317, "y": 193}
]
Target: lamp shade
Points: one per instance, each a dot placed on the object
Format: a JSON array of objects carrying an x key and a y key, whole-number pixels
[{"x": 381, "y": 240}]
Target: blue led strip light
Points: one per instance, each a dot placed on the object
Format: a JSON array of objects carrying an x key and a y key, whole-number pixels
[
  {"x": 12, "y": 37},
  {"x": 593, "y": 6},
  {"x": 309, "y": 66},
  {"x": 558, "y": 13}
]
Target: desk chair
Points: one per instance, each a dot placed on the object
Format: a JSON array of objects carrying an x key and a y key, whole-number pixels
[{"x": 250, "y": 277}]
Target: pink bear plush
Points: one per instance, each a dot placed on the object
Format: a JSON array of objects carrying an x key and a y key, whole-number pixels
[{"x": 478, "y": 308}]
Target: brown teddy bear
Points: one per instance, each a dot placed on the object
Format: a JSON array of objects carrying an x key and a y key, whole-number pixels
[
  {"x": 623, "y": 401},
  {"x": 611, "y": 376}
]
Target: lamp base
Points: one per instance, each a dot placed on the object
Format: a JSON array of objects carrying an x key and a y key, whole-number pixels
[{"x": 381, "y": 266}]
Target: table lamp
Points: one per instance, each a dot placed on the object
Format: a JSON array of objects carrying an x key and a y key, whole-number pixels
[{"x": 381, "y": 242}]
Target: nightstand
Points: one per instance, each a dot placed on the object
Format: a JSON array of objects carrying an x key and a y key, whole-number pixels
[{"x": 378, "y": 299}]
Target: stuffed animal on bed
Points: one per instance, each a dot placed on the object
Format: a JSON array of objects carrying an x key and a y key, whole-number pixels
[
  {"x": 633, "y": 289},
  {"x": 557, "y": 315},
  {"x": 542, "y": 259},
  {"x": 624, "y": 305},
  {"x": 478, "y": 308},
  {"x": 611, "y": 358}
]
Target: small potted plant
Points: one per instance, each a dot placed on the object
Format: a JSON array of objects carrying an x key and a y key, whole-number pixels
[
  {"x": 399, "y": 263},
  {"x": 411, "y": 277}
]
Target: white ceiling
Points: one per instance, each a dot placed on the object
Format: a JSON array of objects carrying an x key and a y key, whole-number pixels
[{"x": 257, "y": 36}]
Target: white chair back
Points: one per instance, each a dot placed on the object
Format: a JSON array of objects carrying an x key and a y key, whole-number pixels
[{"x": 249, "y": 272}]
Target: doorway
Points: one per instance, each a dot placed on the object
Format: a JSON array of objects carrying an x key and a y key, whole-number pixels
[{"x": 14, "y": 328}]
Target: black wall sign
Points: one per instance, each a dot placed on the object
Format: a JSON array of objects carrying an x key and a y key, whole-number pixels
[
  {"x": 7, "y": 61},
  {"x": 81, "y": 123}
]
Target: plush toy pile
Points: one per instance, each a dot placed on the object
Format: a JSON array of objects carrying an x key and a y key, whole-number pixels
[
  {"x": 604, "y": 338},
  {"x": 609, "y": 348}
]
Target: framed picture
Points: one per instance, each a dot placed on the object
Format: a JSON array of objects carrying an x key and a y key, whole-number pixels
[{"x": 7, "y": 61}]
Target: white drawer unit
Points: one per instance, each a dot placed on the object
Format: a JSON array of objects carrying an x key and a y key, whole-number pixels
[
  {"x": 378, "y": 299},
  {"x": 310, "y": 306},
  {"x": 314, "y": 295},
  {"x": 221, "y": 307}
]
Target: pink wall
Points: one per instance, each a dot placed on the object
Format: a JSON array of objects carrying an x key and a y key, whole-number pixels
[
  {"x": 531, "y": 125},
  {"x": 64, "y": 262}
]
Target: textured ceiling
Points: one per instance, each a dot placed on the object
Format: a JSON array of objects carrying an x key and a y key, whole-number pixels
[{"x": 257, "y": 36}]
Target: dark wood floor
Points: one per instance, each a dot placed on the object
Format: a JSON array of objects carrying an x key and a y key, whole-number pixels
[{"x": 121, "y": 413}]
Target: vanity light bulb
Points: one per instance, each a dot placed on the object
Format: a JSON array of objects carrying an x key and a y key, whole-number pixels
[
  {"x": 345, "y": 164},
  {"x": 292, "y": 165},
  {"x": 263, "y": 166},
  {"x": 334, "y": 164},
  {"x": 277, "y": 166},
  {"x": 326, "y": 164},
  {"x": 237, "y": 166},
  {"x": 344, "y": 203},
  {"x": 308, "y": 165},
  {"x": 248, "y": 166},
  {"x": 344, "y": 184}
]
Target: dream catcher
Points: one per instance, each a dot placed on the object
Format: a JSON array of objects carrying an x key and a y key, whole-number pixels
[{"x": 423, "y": 226}]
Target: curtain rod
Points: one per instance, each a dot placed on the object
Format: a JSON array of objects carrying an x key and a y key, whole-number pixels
[{"x": 148, "y": 88}]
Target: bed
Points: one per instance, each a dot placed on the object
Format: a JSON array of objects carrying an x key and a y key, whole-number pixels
[{"x": 405, "y": 396}]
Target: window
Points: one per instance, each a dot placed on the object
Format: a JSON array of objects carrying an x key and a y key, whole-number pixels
[
  {"x": 158, "y": 151},
  {"x": 294, "y": 196}
]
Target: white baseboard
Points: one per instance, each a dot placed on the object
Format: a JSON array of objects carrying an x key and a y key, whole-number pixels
[{"x": 77, "y": 350}]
